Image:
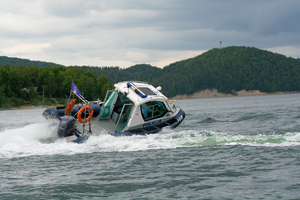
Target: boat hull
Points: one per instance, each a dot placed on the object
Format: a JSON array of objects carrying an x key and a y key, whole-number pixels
[
  {"x": 149, "y": 128},
  {"x": 172, "y": 123}
]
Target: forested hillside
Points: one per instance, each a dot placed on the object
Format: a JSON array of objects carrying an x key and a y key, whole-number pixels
[
  {"x": 232, "y": 69},
  {"x": 229, "y": 70},
  {"x": 4, "y": 60},
  {"x": 140, "y": 72},
  {"x": 54, "y": 81}
]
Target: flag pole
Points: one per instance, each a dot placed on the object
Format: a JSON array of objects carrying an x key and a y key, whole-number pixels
[{"x": 77, "y": 92}]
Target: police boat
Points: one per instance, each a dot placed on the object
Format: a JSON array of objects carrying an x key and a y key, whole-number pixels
[{"x": 132, "y": 108}]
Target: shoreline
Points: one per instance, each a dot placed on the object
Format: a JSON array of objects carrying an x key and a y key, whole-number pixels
[
  {"x": 23, "y": 107},
  {"x": 213, "y": 93},
  {"x": 204, "y": 94}
]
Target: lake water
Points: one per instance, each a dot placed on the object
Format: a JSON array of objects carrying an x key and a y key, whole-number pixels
[{"x": 226, "y": 148}]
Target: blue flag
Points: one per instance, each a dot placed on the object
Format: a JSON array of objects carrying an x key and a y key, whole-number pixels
[{"x": 75, "y": 89}]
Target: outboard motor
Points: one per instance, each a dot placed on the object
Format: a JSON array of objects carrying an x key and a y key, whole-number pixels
[{"x": 66, "y": 126}]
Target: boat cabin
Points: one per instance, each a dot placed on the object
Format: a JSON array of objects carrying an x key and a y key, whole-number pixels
[{"x": 132, "y": 105}]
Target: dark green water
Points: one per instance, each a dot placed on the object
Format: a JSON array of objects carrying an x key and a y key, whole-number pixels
[{"x": 226, "y": 148}]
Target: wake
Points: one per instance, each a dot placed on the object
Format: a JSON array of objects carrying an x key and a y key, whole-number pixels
[{"x": 41, "y": 139}]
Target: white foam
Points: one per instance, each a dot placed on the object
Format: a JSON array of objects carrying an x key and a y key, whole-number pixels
[
  {"x": 41, "y": 139},
  {"x": 132, "y": 143}
]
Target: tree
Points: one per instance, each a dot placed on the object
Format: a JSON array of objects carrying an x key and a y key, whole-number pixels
[
  {"x": 16, "y": 81},
  {"x": 32, "y": 95},
  {"x": 50, "y": 84}
]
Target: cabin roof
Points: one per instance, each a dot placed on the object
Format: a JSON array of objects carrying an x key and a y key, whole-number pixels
[{"x": 140, "y": 92}]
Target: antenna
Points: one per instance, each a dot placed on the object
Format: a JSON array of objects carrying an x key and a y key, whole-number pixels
[{"x": 220, "y": 44}]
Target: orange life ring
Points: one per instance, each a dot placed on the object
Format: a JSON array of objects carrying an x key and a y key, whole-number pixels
[
  {"x": 70, "y": 106},
  {"x": 81, "y": 111}
]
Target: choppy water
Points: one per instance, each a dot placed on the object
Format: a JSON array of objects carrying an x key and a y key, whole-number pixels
[{"x": 226, "y": 148}]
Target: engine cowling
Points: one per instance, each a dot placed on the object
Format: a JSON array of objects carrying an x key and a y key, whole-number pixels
[{"x": 66, "y": 126}]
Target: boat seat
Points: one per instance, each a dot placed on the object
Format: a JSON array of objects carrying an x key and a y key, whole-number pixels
[{"x": 115, "y": 116}]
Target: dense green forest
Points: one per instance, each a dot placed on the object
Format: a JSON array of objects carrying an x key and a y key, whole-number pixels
[
  {"x": 229, "y": 70},
  {"x": 140, "y": 72},
  {"x": 232, "y": 69},
  {"x": 53, "y": 81}
]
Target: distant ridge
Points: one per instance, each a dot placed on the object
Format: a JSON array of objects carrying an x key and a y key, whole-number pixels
[
  {"x": 4, "y": 60},
  {"x": 228, "y": 70},
  {"x": 231, "y": 69}
]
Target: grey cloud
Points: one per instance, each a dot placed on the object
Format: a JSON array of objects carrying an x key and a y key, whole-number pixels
[
  {"x": 95, "y": 27},
  {"x": 69, "y": 8}
]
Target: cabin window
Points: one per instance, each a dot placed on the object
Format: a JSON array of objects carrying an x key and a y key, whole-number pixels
[
  {"x": 123, "y": 98},
  {"x": 107, "y": 108},
  {"x": 153, "y": 109},
  {"x": 124, "y": 117}
]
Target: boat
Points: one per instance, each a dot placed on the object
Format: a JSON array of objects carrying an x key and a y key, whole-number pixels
[{"x": 131, "y": 108}]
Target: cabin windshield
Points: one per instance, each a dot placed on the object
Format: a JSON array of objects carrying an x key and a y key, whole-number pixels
[
  {"x": 153, "y": 109},
  {"x": 124, "y": 117},
  {"x": 123, "y": 98},
  {"x": 107, "y": 108}
]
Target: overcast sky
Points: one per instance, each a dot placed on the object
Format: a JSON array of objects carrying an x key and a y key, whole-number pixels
[{"x": 158, "y": 32}]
